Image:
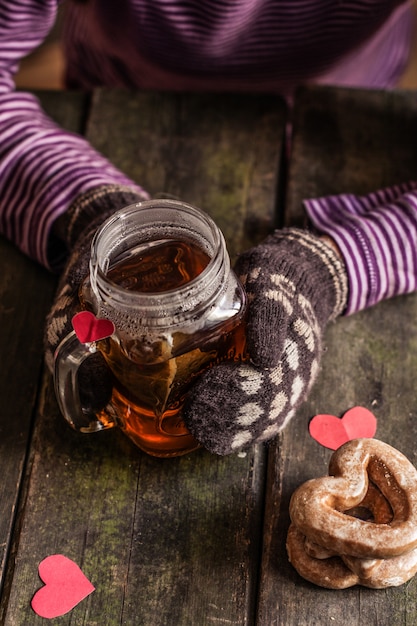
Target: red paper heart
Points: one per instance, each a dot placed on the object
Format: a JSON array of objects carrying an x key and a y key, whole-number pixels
[
  {"x": 332, "y": 432},
  {"x": 65, "y": 586},
  {"x": 88, "y": 328}
]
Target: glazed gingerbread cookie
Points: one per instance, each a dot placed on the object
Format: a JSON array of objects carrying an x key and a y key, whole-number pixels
[{"x": 357, "y": 526}]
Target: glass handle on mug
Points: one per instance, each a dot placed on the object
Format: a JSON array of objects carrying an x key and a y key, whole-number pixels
[{"x": 68, "y": 358}]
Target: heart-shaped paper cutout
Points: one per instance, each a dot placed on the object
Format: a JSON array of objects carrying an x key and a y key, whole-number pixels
[
  {"x": 65, "y": 586},
  {"x": 332, "y": 432},
  {"x": 89, "y": 328}
]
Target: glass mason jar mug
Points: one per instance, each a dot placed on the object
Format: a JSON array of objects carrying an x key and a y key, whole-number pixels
[{"x": 160, "y": 271}]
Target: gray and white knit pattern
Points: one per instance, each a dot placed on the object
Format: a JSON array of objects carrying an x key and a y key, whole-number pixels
[
  {"x": 295, "y": 283},
  {"x": 77, "y": 229}
]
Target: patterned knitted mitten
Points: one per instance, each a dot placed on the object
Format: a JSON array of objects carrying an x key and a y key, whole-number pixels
[
  {"x": 76, "y": 230},
  {"x": 295, "y": 283}
]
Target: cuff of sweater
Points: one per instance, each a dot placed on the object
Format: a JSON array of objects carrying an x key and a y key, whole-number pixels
[
  {"x": 377, "y": 237},
  {"x": 88, "y": 210},
  {"x": 320, "y": 263}
]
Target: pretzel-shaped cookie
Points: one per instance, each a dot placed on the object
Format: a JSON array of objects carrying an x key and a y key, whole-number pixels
[
  {"x": 359, "y": 524},
  {"x": 329, "y": 570},
  {"x": 318, "y": 507}
]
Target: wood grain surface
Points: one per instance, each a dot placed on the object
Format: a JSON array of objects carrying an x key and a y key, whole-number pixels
[
  {"x": 200, "y": 540},
  {"x": 173, "y": 541},
  {"x": 346, "y": 141}
]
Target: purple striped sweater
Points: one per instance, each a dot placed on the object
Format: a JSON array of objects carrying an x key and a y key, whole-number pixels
[{"x": 251, "y": 45}]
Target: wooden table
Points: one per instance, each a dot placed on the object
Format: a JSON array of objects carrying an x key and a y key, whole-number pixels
[{"x": 200, "y": 540}]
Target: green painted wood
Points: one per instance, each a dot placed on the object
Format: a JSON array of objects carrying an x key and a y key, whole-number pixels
[
  {"x": 356, "y": 141},
  {"x": 26, "y": 292},
  {"x": 164, "y": 541}
]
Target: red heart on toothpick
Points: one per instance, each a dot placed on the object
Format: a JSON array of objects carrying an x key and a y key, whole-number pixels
[
  {"x": 65, "y": 586},
  {"x": 88, "y": 328},
  {"x": 332, "y": 432}
]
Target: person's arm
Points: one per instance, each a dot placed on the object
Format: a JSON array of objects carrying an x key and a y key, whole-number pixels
[
  {"x": 43, "y": 169},
  {"x": 376, "y": 235}
]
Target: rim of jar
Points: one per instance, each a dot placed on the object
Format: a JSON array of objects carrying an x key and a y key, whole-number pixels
[{"x": 187, "y": 223}]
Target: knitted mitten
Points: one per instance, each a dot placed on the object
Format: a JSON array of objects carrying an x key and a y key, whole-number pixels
[
  {"x": 295, "y": 283},
  {"x": 76, "y": 230}
]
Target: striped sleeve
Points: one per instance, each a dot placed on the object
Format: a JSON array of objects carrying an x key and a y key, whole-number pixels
[
  {"x": 42, "y": 167},
  {"x": 377, "y": 236}
]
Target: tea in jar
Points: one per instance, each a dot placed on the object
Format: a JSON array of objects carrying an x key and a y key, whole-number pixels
[{"x": 160, "y": 272}]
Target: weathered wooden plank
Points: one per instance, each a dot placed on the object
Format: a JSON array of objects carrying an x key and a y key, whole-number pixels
[
  {"x": 26, "y": 292},
  {"x": 221, "y": 153},
  {"x": 371, "y": 358},
  {"x": 345, "y": 147},
  {"x": 164, "y": 541},
  {"x": 69, "y": 109}
]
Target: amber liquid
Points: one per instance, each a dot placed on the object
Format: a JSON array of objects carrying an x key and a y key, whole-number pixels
[{"x": 152, "y": 375}]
